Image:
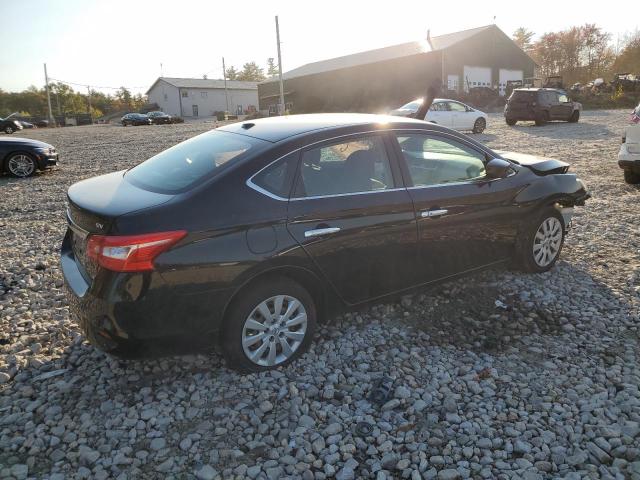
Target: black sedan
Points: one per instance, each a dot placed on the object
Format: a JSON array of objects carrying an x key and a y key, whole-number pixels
[
  {"x": 10, "y": 125},
  {"x": 135, "y": 119},
  {"x": 159, "y": 118},
  {"x": 255, "y": 232},
  {"x": 21, "y": 157}
]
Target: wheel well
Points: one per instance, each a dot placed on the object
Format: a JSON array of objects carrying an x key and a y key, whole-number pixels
[{"x": 303, "y": 277}]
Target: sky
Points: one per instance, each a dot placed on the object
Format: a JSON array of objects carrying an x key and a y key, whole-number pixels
[{"x": 122, "y": 43}]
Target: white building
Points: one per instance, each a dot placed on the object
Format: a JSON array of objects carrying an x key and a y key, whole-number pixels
[{"x": 197, "y": 97}]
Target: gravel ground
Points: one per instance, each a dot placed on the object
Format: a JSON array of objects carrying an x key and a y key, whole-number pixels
[{"x": 546, "y": 387}]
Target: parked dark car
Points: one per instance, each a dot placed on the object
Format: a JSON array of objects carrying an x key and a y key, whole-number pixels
[
  {"x": 135, "y": 119},
  {"x": 21, "y": 157},
  {"x": 159, "y": 118},
  {"x": 540, "y": 105},
  {"x": 254, "y": 232},
  {"x": 10, "y": 125}
]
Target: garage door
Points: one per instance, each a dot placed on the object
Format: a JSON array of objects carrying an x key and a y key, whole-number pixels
[
  {"x": 506, "y": 75},
  {"x": 476, "y": 77}
]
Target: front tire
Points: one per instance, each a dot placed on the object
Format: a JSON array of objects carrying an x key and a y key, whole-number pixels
[
  {"x": 511, "y": 122},
  {"x": 541, "y": 242},
  {"x": 268, "y": 326},
  {"x": 21, "y": 165},
  {"x": 632, "y": 178},
  {"x": 575, "y": 116},
  {"x": 479, "y": 125}
]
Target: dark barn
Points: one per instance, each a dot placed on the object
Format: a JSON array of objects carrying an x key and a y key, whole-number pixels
[{"x": 385, "y": 78}]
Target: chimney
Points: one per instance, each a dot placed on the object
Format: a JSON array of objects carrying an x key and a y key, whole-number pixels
[{"x": 429, "y": 38}]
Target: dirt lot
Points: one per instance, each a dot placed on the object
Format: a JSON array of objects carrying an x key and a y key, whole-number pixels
[{"x": 544, "y": 388}]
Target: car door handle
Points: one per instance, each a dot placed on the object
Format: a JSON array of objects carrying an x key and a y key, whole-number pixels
[
  {"x": 318, "y": 232},
  {"x": 433, "y": 213}
]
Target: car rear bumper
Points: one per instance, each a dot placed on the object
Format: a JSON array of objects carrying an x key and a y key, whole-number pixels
[
  {"x": 118, "y": 310},
  {"x": 520, "y": 114}
]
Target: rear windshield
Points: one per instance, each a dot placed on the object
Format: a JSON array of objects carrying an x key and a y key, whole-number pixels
[{"x": 183, "y": 166}]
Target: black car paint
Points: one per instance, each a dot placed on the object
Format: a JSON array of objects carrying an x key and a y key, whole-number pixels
[
  {"x": 12, "y": 145},
  {"x": 135, "y": 119},
  {"x": 532, "y": 103},
  {"x": 384, "y": 248},
  {"x": 10, "y": 125},
  {"x": 159, "y": 118}
]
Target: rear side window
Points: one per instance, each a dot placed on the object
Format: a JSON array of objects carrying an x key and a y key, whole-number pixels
[
  {"x": 184, "y": 165},
  {"x": 276, "y": 178},
  {"x": 520, "y": 96},
  {"x": 358, "y": 165}
]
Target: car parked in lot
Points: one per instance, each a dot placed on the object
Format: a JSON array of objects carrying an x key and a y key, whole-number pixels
[
  {"x": 159, "y": 118},
  {"x": 449, "y": 113},
  {"x": 256, "y": 231},
  {"x": 629, "y": 154},
  {"x": 10, "y": 125},
  {"x": 541, "y": 105},
  {"x": 135, "y": 119},
  {"x": 21, "y": 157}
]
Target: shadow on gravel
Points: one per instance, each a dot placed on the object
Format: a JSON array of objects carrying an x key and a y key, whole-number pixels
[
  {"x": 494, "y": 310},
  {"x": 565, "y": 130}
]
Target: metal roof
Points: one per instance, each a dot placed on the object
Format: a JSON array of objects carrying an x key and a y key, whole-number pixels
[
  {"x": 439, "y": 42},
  {"x": 206, "y": 83}
]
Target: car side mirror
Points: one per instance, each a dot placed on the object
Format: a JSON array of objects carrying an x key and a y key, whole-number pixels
[{"x": 498, "y": 168}]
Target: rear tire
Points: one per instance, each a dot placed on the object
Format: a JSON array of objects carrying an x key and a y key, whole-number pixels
[
  {"x": 632, "y": 178},
  {"x": 542, "y": 119},
  {"x": 575, "y": 116},
  {"x": 511, "y": 122},
  {"x": 268, "y": 325},
  {"x": 9, "y": 130},
  {"x": 540, "y": 243},
  {"x": 479, "y": 125}
]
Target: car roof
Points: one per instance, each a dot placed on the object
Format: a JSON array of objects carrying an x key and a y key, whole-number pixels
[{"x": 275, "y": 129}]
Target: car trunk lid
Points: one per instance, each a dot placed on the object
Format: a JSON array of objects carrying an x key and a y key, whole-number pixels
[
  {"x": 539, "y": 165},
  {"x": 94, "y": 205}
]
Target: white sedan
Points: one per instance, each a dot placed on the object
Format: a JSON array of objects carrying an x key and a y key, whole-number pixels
[{"x": 450, "y": 113}]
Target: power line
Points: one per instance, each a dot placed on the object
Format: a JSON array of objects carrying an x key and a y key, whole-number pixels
[{"x": 95, "y": 86}]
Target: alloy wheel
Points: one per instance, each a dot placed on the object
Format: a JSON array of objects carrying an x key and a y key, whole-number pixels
[
  {"x": 547, "y": 241},
  {"x": 274, "y": 330},
  {"x": 21, "y": 165},
  {"x": 8, "y": 130}
]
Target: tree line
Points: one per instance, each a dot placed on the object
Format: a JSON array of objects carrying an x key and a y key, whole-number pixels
[
  {"x": 66, "y": 101},
  {"x": 252, "y": 72},
  {"x": 581, "y": 54}
]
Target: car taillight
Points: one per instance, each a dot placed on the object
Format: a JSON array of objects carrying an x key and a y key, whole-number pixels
[{"x": 131, "y": 253}]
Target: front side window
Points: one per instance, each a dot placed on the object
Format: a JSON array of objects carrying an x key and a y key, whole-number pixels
[
  {"x": 358, "y": 165},
  {"x": 457, "y": 107},
  {"x": 436, "y": 160},
  {"x": 188, "y": 163}
]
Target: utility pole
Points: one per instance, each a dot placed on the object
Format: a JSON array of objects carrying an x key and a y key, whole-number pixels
[
  {"x": 224, "y": 74},
  {"x": 281, "y": 109},
  {"x": 89, "y": 100},
  {"x": 161, "y": 69},
  {"x": 46, "y": 81}
]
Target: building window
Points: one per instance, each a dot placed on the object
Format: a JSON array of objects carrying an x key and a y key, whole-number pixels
[
  {"x": 185, "y": 94},
  {"x": 165, "y": 97},
  {"x": 203, "y": 94}
]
